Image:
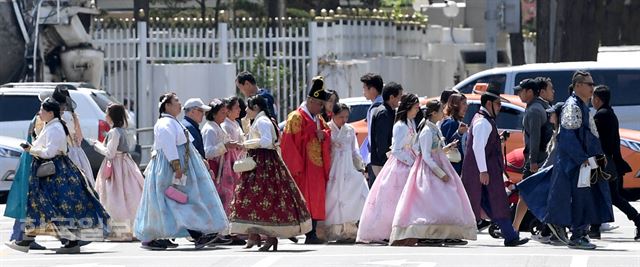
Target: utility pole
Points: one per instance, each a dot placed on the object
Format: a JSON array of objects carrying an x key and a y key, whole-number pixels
[{"x": 491, "y": 20}]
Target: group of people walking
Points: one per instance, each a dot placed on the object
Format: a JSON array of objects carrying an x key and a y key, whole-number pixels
[{"x": 422, "y": 176}]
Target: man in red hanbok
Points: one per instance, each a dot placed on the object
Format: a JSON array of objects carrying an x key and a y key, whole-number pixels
[{"x": 306, "y": 150}]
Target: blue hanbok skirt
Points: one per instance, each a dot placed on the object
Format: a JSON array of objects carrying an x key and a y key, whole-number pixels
[
  {"x": 17, "y": 200},
  {"x": 159, "y": 217},
  {"x": 535, "y": 191},
  {"x": 64, "y": 205}
]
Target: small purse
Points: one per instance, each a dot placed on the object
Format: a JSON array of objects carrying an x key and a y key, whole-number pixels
[
  {"x": 454, "y": 155},
  {"x": 173, "y": 193},
  {"x": 46, "y": 169},
  {"x": 244, "y": 165},
  {"x": 107, "y": 171}
]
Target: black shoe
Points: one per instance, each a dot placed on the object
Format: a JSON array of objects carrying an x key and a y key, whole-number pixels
[
  {"x": 559, "y": 232},
  {"x": 313, "y": 241},
  {"x": 581, "y": 243},
  {"x": 167, "y": 243},
  {"x": 483, "y": 224},
  {"x": 294, "y": 239},
  {"x": 516, "y": 242},
  {"x": 455, "y": 242},
  {"x": 637, "y": 237},
  {"x": 36, "y": 246},
  {"x": 594, "y": 234},
  {"x": 204, "y": 241},
  {"x": 155, "y": 245},
  {"x": 236, "y": 241},
  {"x": 430, "y": 242},
  {"x": 83, "y": 243},
  {"x": 221, "y": 240}
]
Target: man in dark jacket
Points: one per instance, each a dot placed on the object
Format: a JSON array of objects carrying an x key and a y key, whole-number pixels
[
  {"x": 382, "y": 122},
  {"x": 194, "y": 110},
  {"x": 608, "y": 129}
]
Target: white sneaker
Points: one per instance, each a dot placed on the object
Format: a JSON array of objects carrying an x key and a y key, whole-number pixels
[
  {"x": 606, "y": 227},
  {"x": 19, "y": 247},
  {"x": 542, "y": 239}
]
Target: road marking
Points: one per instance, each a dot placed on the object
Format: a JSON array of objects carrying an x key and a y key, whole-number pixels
[
  {"x": 624, "y": 246},
  {"x": 401, "y": 263},
  {"x": 579, "y": 261},
  {"x": 266, "y": 262}
]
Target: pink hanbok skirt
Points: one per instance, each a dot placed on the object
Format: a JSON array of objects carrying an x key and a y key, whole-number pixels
[
  {"x": 228, "y": 179},
  {"x": 432, "y": 209},
  {"x": 377, "y": 216}
]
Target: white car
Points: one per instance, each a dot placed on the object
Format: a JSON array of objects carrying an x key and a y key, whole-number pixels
[
  {"x": 19, "y": 103},
  {"x": 10, "y": 152}
]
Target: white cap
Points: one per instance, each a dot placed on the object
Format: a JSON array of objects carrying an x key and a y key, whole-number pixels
[{"x": 196, "y": 102}]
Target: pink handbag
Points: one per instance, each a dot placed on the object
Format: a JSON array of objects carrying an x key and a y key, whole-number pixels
[
  {"x": 107, "y": 171},
  {"x": 178, "y": 196}
]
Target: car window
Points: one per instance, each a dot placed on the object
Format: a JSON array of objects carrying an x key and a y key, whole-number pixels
[
  {"x": 623, "y": 85},
  {"x": 103, "y": 99},
  {"x": 358, "y": 112},
  {"x": 560, "y": 80},
  {"x": 509, "y": 118},
  {"x": 18, "y": 107},
  {"x": 497, "y": 80}
]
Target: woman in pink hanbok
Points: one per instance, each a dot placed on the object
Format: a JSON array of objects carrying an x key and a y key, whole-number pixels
[
  {"x": 216, "y": 145},
  {"x": 380, "y": 206},
  {"x": 119, "y": 186},
  {"x": 347, "y": 188},
  {"x": 229, "y": 179},
  {"x": 434, "y": 207}
]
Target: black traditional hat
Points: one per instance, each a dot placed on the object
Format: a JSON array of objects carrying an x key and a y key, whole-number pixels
[
  {"x": 62, "y": 96},
  {"x": 317, "y": 89}
]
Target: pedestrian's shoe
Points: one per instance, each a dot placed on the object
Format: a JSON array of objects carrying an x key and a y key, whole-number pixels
[
  {"x": 36, "y": 246},
  {"x": 221, "y": 240},
  {"x": 607, "y": 227},
  {"x": 559, "y": 232},
  {"x": 594, "y": 234},
  {"x": 483, "y": 224},
  {"x": 516, "y": 242},
  {"x": 313, "y": 241},
  {"x": 346, "y": 241},
  {"x": 294, "y": 239},
  {"x": 272, "y": 242},
  {"x": 73, "y": 247},
  {"x": 167, "y": 243},
  {"x": 455, "y": 242},
  {"x": 581, "y": 243},
  {"x": 637, "y": 237},
  {"x": 154, "y": 245},
  {"x": 542, "y": 239},
  {"x": 236, "y": 241},
  {"x": 431, "y": 242},
  {"x": 22, "y": 246},
  {"x": 205, "y": 240},
  {"x": 83, "y": 243}
]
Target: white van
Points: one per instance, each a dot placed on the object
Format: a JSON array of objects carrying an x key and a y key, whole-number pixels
[{"x": 623, "y": 79}]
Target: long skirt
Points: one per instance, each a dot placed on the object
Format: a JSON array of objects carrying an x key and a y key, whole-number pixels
[
  {"x": 79, "y": 158},
  {"x": 267, "y": 200},
  {"x": 535, "y": 191},
  {"x": 225, "y": 178},
  {"x": 64, "y": 204},
  {"x": 430, "y": 208},
  {"x": 160, "y": 217},
  {"x": 120, "y": 195},
  {"x": 377, "y": 216}
]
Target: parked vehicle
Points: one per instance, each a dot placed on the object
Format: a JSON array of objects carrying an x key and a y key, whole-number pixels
[
  {"x": 10, "y": 152},
  {"x": 19, "y": 102},
  {"x": 622, "y": 79}
]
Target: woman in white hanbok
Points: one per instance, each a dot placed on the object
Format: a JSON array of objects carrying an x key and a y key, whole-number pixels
[{"x": 347, "y": 188}]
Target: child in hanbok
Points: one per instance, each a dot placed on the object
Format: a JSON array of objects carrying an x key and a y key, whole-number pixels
[
  {"x": 119, "y": 183},
  {"x": 347, "y": 188},
  {"x": 434, "y": 206},
  {"x": 377, "y": 217},
  {"x": 176, "y": 163}
]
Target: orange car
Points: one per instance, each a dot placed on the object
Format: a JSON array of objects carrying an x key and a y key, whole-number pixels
[{"x": 510, "y": 119}]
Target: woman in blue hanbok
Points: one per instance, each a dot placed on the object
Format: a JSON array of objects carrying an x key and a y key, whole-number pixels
[
  {"x": 60, "y": 204},
  {"x": 176, "y": 163}
]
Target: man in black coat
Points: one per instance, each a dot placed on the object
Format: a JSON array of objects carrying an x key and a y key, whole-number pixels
[
  {"x": 608, "y": 129},
  {"x": 382, "y": 122}
]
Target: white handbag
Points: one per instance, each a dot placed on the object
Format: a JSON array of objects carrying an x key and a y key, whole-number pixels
[
  {"x": 454, "y": 155},
  {"x": 244, "y": 165}
]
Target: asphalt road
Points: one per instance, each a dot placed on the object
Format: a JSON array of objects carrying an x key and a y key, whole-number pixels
[{"x": 616, "y": 248}]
